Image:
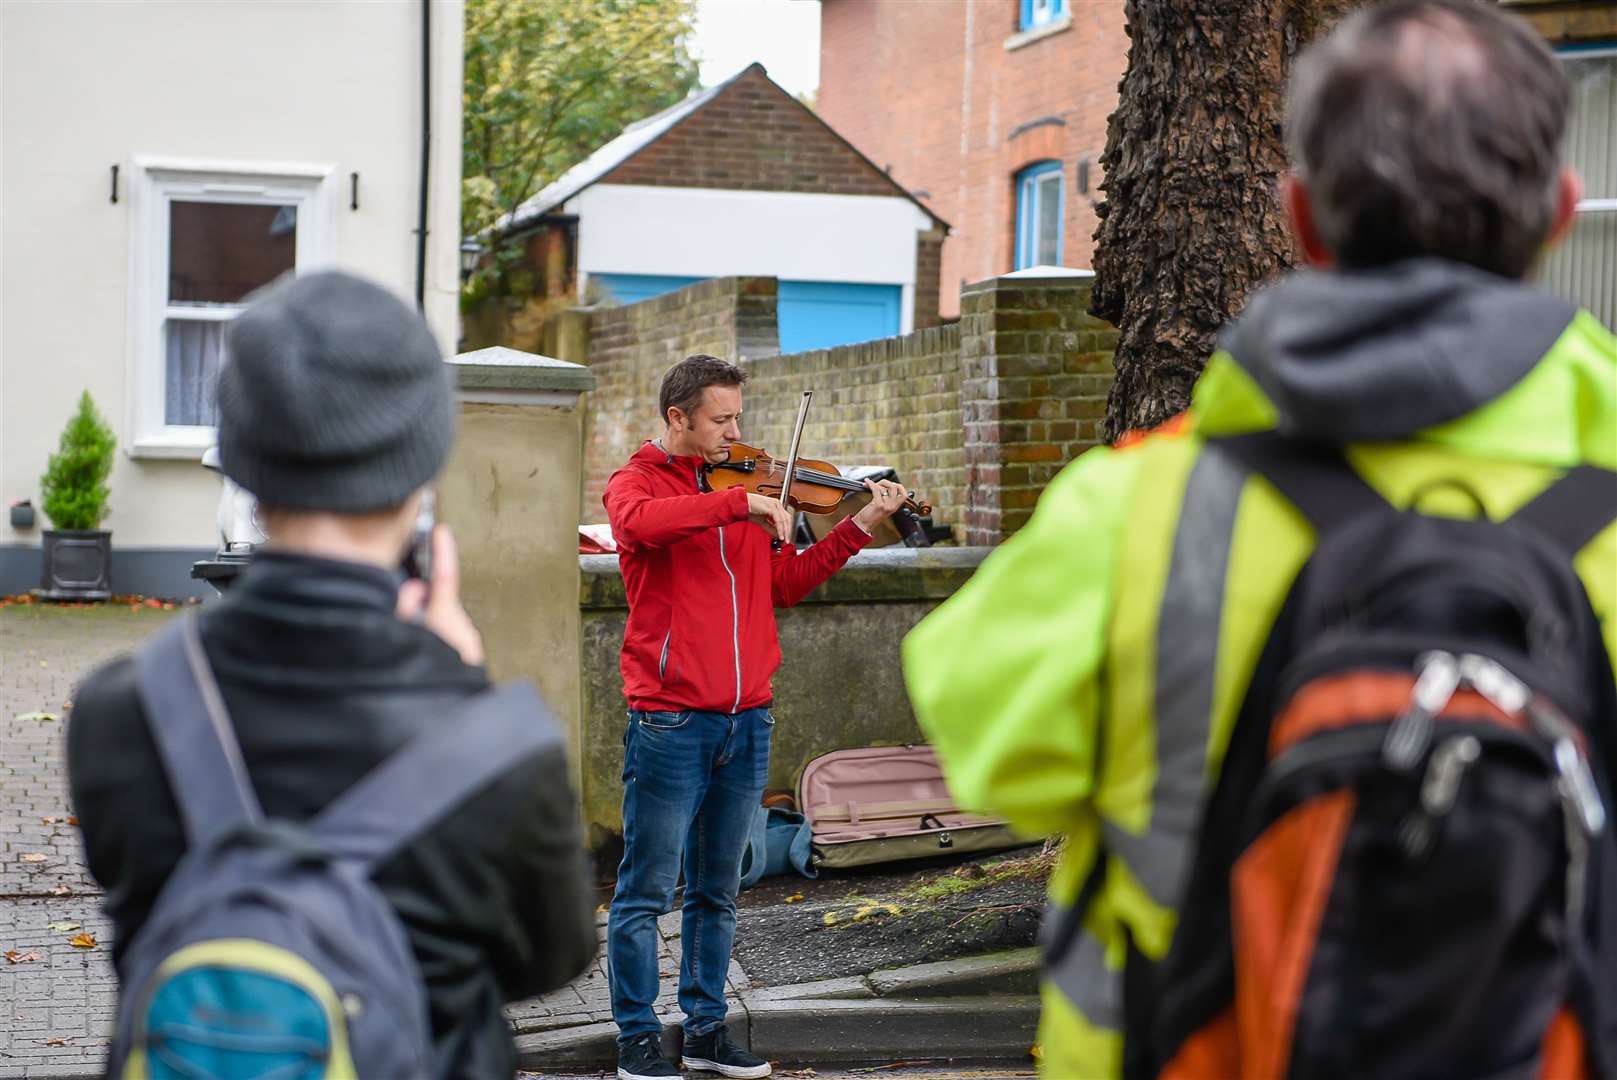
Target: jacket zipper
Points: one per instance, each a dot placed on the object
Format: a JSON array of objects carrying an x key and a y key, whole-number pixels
[
  {"x": 662, "y": 662},
  {"x": 735, "y": 613}
]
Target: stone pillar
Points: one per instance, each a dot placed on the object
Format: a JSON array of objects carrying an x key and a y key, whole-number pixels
[
  {"x": 1035, "y": 368},
  {"x": 511, "y": 493}
]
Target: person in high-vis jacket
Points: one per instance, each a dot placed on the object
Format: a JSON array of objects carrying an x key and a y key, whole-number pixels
[{"x": 1085, "y": 681}]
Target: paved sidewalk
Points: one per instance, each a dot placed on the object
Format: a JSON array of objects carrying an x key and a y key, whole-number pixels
[
  {"x": 562, "y": 1027},
  {"x": 57, "y": 1003}
]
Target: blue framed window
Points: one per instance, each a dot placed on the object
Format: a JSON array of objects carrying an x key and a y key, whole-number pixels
[
  {"x": 1038, "y": 215},
  {"x": 1037, "y": 13}
]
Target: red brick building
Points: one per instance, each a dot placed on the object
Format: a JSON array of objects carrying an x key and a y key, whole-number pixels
[{"x": 992, "y": 112}]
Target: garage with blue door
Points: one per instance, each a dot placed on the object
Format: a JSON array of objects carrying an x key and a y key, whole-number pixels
[{"x": 812, "y": 314}]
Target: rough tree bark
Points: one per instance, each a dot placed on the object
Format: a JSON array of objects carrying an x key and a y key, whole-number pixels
[{"x": 1191, "y": 221}]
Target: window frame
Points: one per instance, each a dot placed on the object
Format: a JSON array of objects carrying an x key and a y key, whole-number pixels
[
  {"x": 1028, "y": 180},
  {"x": 155, "y": 183},
  {"x": 1029, "y": 20}
]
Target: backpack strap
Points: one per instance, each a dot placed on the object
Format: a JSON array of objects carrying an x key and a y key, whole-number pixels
[
  {"x": 194, "y": 737},
  {"x": 436, "y": 772},
  {"x": 1314, "y": 477},
  {"x": 1575, "y": 508}
]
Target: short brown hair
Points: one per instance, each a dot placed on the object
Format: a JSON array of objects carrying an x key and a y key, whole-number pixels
[
  {"x": 683, "y": 384},
  {"x": 1430, "y": 127}
]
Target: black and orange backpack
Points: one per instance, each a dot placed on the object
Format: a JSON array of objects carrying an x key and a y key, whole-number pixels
[{"x": 1405, "y": 868}]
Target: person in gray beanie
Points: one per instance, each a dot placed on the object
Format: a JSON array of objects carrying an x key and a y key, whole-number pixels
[
  {"x": 335, "y": 411},
  {"x": 335, "y": 397}
]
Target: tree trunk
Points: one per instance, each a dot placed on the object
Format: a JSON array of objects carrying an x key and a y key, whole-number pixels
[{"x": 1191, "y": 221}]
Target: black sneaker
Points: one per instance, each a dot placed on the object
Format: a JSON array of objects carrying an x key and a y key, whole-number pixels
[
  {"x": 714, "y": 1052},
  {"x": 641, "y": 1058}
]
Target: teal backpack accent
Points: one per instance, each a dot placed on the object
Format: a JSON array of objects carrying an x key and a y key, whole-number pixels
[{"x": 270, "y": 954}]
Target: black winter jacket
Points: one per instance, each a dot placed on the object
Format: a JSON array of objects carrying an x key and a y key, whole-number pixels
[{"x": 323, "y": 682}]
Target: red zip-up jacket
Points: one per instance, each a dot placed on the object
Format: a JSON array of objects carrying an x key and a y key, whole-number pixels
[{"x": 703, "y": 584}]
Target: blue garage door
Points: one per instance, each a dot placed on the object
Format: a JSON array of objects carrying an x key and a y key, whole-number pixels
[
  {"x": 820, "y": 314},
  {"x": 633, "y": 288},
  {"x": 813, "y": 314}
]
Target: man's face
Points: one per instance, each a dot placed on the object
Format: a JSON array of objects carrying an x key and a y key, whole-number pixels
[{"x": 714, "y": 424}]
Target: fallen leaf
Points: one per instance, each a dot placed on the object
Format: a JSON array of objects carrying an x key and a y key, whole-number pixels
[
  {"x": 55, "y": 1042},
  {"x": 33, "y": 856},
  {"x": 795, "y": 898},
  {"x": 47, "y": 819},
  {"x": 72, "y": 820},
  {"x": 872, "y": 908},
  {"x": 62, "y": 890},
  {"x": 15, "y": 957},
  {"x": 66, "y": 706},
  {"x": 82, "y": 941},
  {"x": 38, "y": 716},
  {"x": 64, "y": 927},
  {"x": 603, "y": 909}
]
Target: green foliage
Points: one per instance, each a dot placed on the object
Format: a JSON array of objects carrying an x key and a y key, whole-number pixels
[
  {"x": 74, "y": 486},
  {"x": 548, "y": 82}
]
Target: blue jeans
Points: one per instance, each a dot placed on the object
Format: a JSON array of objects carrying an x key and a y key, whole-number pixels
[{"x": 692, "y": 782}]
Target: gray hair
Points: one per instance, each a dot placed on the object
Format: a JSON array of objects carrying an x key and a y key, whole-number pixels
[{"x": 1430, "y": 127}]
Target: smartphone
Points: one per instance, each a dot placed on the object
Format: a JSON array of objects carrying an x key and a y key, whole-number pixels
[{"x": 418, "y": 559}]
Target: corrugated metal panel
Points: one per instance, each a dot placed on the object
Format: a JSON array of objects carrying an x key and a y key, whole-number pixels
[{"x": 1584, "y": 267}]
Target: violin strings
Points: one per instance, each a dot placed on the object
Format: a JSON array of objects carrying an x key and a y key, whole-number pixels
[{"x": 814, "y": 476}]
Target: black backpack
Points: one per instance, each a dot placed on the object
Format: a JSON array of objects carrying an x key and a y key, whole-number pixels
[{"x": 1405, "y": 868}]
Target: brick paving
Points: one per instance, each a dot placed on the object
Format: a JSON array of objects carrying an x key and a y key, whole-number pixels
[{"x": 57, "y": 1008}]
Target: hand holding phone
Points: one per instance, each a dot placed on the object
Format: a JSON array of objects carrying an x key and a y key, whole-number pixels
[
  {"x": 418, "y": 559},
  {"x": 439, "y": 609}
]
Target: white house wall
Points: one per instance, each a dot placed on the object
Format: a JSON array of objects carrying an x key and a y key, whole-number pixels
[
  {"x": 85, "y": 86},
  {"x": 704, "y": 232}
]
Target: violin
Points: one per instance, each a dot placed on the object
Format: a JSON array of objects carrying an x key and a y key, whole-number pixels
[{"x": 817, "y": 487}]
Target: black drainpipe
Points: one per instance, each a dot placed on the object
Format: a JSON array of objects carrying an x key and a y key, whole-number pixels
[{"x": 426, "y": 155}]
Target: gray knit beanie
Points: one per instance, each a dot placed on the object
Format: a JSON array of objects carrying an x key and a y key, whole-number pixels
[{"x": 333, "y": 396}]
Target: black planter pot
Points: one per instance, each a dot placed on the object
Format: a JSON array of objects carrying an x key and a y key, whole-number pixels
[{"x": 78, "y": 564}]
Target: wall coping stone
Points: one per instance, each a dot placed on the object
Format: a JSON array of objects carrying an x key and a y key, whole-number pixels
[
  {"x": 893, "y": 574},
  {"x": 1033, "y": 277},
  {"x": 500, "y": 368},
  {"x": 1049, "y": 273}
]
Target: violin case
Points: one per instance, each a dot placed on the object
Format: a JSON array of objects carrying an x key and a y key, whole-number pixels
[{"x": 886, "y": 804}]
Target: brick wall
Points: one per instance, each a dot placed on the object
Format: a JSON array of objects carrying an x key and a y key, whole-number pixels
[
  {"x": 928, "y": 267},
  {"x": 630, "y": 348},
  {"x": 931, "y": 91},
  {"x": 1035, "y": 368},
  {"x": 895, "y": 401},
  {"x": 753, "y": 136},
  {"x": 976, "y": 416}
]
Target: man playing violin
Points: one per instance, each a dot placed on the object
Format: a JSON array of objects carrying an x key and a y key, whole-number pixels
[{"x": 703, "y": 576}]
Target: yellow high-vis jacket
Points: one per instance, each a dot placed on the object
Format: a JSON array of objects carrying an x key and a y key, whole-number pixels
[{"x": 1085, "y": 681}]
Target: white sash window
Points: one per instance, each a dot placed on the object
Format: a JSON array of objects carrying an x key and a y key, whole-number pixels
[{"x": 203, "y": 237}]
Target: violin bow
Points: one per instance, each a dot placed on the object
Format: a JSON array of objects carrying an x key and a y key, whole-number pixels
[{"x": 791, "y": 457}]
